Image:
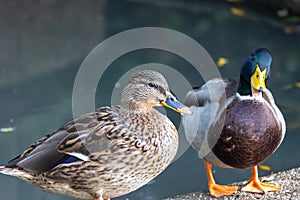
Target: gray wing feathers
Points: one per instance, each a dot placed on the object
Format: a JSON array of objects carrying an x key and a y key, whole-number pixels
[
  {"x": 278, "y": 115},
  {"x": 208, "y": 105},
  {"x": 45, "y": 155}
]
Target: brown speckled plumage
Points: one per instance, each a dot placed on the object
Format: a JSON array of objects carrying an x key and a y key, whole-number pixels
[{"x": 116, "y": 149}]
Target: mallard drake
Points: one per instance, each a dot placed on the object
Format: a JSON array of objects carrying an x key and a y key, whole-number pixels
[
  {"x": 236, "y": 124},
  {"x": 107, "y": 153}
]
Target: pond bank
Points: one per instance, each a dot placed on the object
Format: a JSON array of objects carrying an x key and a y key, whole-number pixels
[{"x": 288, "y": 181}]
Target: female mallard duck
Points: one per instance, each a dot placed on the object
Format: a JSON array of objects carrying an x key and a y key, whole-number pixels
[
  {"x": 107, "y": 153},
  {"x": 236, "y": 125}
]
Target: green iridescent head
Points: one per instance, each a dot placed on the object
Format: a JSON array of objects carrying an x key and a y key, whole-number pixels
[{"x": 255, "y": 72}]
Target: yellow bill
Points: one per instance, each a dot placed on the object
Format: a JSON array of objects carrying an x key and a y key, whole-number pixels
[{"x": 258, "y": 79}]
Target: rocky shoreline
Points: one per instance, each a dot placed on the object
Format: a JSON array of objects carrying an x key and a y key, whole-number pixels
[{"x": 288, "y": 181}]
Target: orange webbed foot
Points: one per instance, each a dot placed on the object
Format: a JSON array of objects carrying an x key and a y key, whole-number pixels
[
  {"x": 101, "y": 198},
  {"x": 255, "y": 186},
  {"x": 217, "y": 190}
]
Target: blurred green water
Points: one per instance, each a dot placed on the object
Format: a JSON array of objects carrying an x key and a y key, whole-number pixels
[{"x": 43, "y": 45}]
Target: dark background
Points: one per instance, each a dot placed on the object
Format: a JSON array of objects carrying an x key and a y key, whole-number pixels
[{"x": 43, "y": 43}]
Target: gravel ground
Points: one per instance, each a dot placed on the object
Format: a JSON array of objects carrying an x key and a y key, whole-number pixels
[{"x": 288, "y": 181}]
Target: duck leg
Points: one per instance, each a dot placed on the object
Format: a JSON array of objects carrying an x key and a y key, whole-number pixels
[
  {"x": 255, "y": 186},
  {"x": 217, "y": 190},
  {"x": 101, "y": 198}
]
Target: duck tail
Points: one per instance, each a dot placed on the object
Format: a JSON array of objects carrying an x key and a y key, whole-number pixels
[{"x": 16, "y": 171}]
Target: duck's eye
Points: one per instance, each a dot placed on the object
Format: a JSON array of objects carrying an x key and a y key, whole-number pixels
[
  {"x": 157, "y": 87},
  {"x": 152, "y": 85},
  {"x": 257, "y": 75}
]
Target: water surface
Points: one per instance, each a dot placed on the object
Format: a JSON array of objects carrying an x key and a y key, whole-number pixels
[{"x": 44, "y": 44}]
